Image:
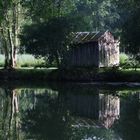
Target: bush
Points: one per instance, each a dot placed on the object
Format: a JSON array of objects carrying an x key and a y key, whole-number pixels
[
  {"x": 129, "y": 62},
  {"x": 2, "y": 60},
  {"x": 124, "y": 58}
]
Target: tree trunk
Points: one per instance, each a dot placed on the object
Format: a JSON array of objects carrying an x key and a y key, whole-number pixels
[
  {"x": 57, "y": 59},
  {"x": 11, "y": 52},
  {"x": 10, "y": 34},
  {"x": 6, "y": 64},
  {"x": 16, "y": 27}
]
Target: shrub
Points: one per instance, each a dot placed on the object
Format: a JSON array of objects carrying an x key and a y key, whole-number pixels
[
  {"x": 2, "y": 60},
  {"x": 129, "y": 62},
  {"x": 123, "y": 59}
]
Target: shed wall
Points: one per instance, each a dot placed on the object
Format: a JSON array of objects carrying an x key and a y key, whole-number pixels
[
  {"x": 100, "y": 52},
  {"x": 84, "y": 55},
  {"x": 108, "y": 51}
]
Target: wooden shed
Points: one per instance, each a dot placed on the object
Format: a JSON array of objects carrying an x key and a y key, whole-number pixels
[{"x": 97, "y": 49}]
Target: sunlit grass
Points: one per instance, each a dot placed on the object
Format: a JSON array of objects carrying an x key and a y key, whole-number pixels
[
  {"x": 2, "y": 60},
  {"x": 27, "y": 60}
]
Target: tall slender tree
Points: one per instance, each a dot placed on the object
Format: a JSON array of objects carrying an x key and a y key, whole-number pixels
[{"x": 9, "y": 29}]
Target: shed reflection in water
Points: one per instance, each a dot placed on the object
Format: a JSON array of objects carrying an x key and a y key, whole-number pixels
[
  {"x": 69, "y": 114},
  {"x": 99, "y": 107}
]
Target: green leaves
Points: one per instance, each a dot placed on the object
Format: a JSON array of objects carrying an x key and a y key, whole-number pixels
[
  {"x": 50, "y": 39},
  {"x": 131, "y": 29},
  {"x": 44, "y": 10}
]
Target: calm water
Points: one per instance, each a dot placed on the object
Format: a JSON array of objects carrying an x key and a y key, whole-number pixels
[{"x": 69, "y": 112}]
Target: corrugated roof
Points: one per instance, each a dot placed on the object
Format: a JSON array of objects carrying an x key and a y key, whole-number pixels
[{"x": 83, "y": 37}]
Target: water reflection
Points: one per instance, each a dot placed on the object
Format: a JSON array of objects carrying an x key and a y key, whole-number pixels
[
  {"x": 103, "y": 108},
  {"x": 109, "y": 109},
  {"x": 74, "y": 113}
]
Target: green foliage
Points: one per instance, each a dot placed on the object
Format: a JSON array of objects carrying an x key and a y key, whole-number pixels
[
  {"x": 26, "y": 60},
  {"x": 123, "y": 58},
  {"x": 10, "y": 23},
  {"x": 131, "y": 31},
  {"x": 49, "y": 23},
  {"x": 50, "y": 39},
  {"x": 130, "y": 21},
  {"x": 44, "y": 10},
  {"x": 2, "y": 60},
  {"x": 53, "y": 21},
  {"x": 129, "y": 117},
  {"x": 129, "y": 62},
  {"x": 101, "y": 15}
]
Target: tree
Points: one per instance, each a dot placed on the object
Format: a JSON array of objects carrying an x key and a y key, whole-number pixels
[
  {"x": 9, "y": 120},
  {"x": 101, "y": 14},
  {"x": 52, "y": 22},
  {"x": 43, "y": 10},
  {"x": 131, "y": 31},
  {"x": 130, "y": 25},
  {"x": 50, "y": 39},
  {"x": 9, "y": 29},
  {"x": 48, "y": 115}
]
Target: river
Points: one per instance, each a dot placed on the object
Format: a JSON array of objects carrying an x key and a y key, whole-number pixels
[{"x": 70, "y": 112}]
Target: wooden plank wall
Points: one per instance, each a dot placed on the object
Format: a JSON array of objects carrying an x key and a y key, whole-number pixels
[
  {"x": 108, "y": 51},
  {"x": 103, "y": 53},
  {"x": 84, "y": 55},
  {"x": 109, "y": 109},
  {"x": 84, "y": 105}
]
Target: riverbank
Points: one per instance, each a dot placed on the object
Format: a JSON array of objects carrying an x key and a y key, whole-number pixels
[
  {"x": 71, "y": 75},
  {"x": 95, "y": 75}
]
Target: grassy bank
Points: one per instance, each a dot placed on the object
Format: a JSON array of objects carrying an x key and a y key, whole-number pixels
[
  {"x": 90, "y": 75},
  {"x": 72, "y": 75},
  {"x": 25, "y": 74},
  {"x": 30, "y": 68}
]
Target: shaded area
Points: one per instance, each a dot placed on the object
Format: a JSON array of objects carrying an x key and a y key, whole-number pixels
[
  {"x": 78, "y": 112},
  {"x": 128, "y": 125}
]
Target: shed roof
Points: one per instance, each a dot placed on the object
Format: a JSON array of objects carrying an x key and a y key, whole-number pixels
[{"x": 83, "y": 37}]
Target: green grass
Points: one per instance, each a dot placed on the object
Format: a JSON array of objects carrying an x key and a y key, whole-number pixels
[{"x": 27, "y": 60}]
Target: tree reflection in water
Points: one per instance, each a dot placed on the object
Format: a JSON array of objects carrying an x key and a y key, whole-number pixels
[
  {"x": 68, "y": 114},
  {"x": 48, "y": 119},
  {"x": 9, "y": 114},
  {"x": 71, "y": 116},
  {"x": 128, "y": 126}
]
